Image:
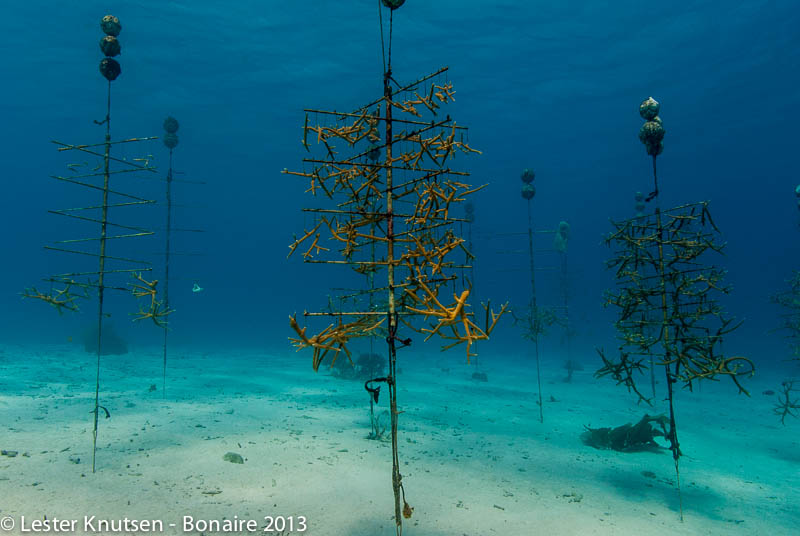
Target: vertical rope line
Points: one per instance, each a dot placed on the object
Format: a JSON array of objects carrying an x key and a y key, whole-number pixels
[
  {"x": 391, "y": 25},
  {"x": 655, "y": 179},
  {"x": 383, "y": 48}
]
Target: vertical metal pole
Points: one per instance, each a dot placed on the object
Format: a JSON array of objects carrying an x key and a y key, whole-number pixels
[
  {"x": 565, "y": 292},
  {"x": 472, "y": 279},
  {"x": 166, "y": 271},
  {"x": 392, "y": 320},
  {"x": 670, "y": 377},
  {"x": 652, "y": 366},
  {"x": 371, "y": 279},
  {"x": 101, "y": 274},
  {"x": 534, "y": 312}
]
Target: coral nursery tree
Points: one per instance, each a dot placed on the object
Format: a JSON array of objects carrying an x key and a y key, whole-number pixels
[
  {"x": 107, "y": 214},
  {"x": 170, "y": 139},
  {"x": 560, "y": 244},
  {"x": 666, "y": 295},
  {"x": 788, "y": 403},
  {"x": 789, "y": 301},
  {"x": 383, "y": 174},
  {"x": 534, "y": 319}
]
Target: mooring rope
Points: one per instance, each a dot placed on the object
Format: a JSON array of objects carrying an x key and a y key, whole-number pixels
[{"x": 383, "y": 47}]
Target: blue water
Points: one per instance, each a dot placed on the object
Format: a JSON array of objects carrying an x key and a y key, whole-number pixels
[{"x": 551, "y": 86}]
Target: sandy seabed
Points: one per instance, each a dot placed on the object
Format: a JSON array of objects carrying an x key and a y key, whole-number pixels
[{"x": 475, "y": 459}]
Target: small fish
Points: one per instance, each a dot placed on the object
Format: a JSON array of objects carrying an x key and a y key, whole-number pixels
[
  {"x": 197, "y": 288},
  {"x": 768, "y": 392}
]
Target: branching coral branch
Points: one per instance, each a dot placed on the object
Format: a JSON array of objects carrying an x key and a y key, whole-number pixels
[
  {"x": 667, "y": 298},
  {"x": 333, "y": 338},
  {"x": 787, "y": 405},
  {"x": 61, "y": 299},
  {"x": 154, "y": 309}
]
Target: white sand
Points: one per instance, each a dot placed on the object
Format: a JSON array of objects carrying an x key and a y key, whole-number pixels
[{"x": 476, "y": 460}]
